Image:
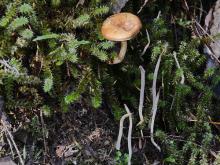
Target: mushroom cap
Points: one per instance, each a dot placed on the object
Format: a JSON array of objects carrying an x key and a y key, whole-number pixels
[{"x": 121, "y": 27}]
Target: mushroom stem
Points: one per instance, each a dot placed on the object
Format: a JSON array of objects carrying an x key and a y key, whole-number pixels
[{"x": 121, "y": 54}]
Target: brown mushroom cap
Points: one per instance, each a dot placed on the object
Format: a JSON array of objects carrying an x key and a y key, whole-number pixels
[{"x": 121, "y": 27}]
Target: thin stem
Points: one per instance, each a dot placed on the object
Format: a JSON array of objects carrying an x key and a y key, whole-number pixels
[
  {"x": 13, "y": 142},
  {"x": 121, "y": 54}
]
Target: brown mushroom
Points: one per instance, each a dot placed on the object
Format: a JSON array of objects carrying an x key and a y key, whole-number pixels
[{"x": 121, "y": 27}]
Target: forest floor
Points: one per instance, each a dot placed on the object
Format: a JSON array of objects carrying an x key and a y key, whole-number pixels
[
  {"x": 82, "y": 136},
  {"x": 85, "y": 135}
]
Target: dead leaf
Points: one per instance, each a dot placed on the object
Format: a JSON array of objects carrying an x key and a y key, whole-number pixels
[
  {"x": 60, "y": 151},
  {"x": 70, "y": 150},
  {"x": 95, "y": 134}
]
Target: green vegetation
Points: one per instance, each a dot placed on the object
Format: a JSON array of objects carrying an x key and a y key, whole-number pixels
[{"x": 53, "y": 58}]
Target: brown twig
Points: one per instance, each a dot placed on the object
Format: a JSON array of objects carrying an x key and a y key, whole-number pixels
[
  {"x": 10, "y": 145},
  {"x": 211, "y": 122},
  {"x": 212, "y": 39},
  {"x": 43, "y": 132}
]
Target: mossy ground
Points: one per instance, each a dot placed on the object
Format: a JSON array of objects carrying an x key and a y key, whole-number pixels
[{"x": 63, "y": 102}]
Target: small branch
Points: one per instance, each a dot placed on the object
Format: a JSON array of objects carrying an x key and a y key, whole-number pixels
[
  {"x": 210, "y": 122},
  {"x": 141, "y": 101},
  {"x": 67, "y": 69},
  {"x": 187, "y": 7},
  {"x": 193, "y": 118},
  {"x": 13, "y": 142},
  {"x": 129, "y": 135},
  {"x": 178, "y": 66},
  {"x": 10, "y": 145},
  {"x": 213, "y": 55},
  {"x": 145, "y": 2},
  {"x": 201, "y": 11},
  {"x": 6, "y": 65}
]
